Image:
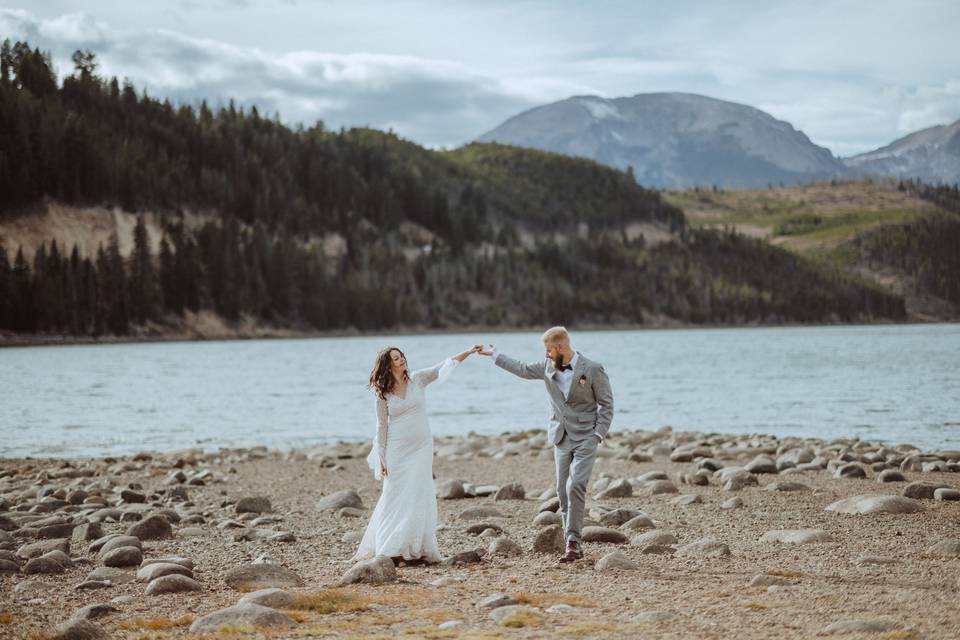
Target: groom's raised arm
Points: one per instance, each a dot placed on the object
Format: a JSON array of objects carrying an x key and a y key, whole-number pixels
[{"x": 528, "y": 370}]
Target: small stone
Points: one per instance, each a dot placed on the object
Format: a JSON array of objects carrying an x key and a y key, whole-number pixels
[
  {"x": 704, "y": 547},
  {"x": 8, "y": 566},
  {"x": 117, "y": 542},
  {"x": 551, "y": 504},
  {"x": 850, "y": 470},
  {"x": 246, "y": 613},
  {"x": 158, "y": 569},
  {"x": 732, "y": 503},
  {"x": 37, "y": 549},
  {"x": 123, "y": 557},
  {"x": 946, "y": 494},
  {"x": 617, "y": 489},
  {"x": 639, "y": 523},
  {"x": 686, "y": 500},
  {"x": 282, "y": 536},
  {"x": 657, "y": 537},
  {"x": 922, "y": 490},
  {"x": 351, "y": 537},
  {"x": 616, "y": 560},
  {"x": 504, "y": 547},
  {"x": 351, "y": 512},
  {"x": 272, "y": 597},
  {"x": 617, "y": 517},
  {"x": 497, "y": 600},
  {"x": 546, "y": 518},
  {"x": 514, "y": 616},
  {"x": 782, "y": 485},
  {"x": 451, "y": 490},
  {"x": 549, "y": 540},
  {"x": 449, "y": 624},
  {"x": 155, "y": 527},
  {"x": 875, "y": 504},
  {"x": 659, "y": 487},
  {"x": 765, "y": 580},
  {"x": 858, "y": 626},
  {"x": 463, "y": 557},
  {"x": 94, "y": 611},
  {"x": 480, "y": 527},
  {"x": 478, "y": 513},
  {"x": 172, "y": 583},
  {"x": 378, "y": 570},
  {"x": 262, "y": 575},
  {"x": 949, "y": 548},
  {"x": 81, "y": 630},
  {"x": 796, "y": 536},
  {"x": 603, "y": 534},
  {"x": 512, "y": 491},
  {"x": 761, "y": 464},
  {"x": 340, "y": 499},
  {"x": 43, "y": 564},
  {"x": 891, "y": 475},
  {"x": 253, "y": 504}
]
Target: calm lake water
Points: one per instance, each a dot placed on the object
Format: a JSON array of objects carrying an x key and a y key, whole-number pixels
[{"x": 891, "y": 383}]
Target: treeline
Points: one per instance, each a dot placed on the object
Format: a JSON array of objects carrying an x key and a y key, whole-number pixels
[
  {"x": 501, "y": 235},
  {"x": 927, "y": 249},
  {"x": 943, "y": 195}
]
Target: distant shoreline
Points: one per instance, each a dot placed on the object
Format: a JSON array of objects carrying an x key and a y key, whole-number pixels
[{"x": 11, "y": 340}]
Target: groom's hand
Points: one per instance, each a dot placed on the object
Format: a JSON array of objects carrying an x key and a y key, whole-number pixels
[{"x": 485, "y": 351}]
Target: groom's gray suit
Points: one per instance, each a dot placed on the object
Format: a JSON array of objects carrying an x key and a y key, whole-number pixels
[{"x": 585, "y": 412}]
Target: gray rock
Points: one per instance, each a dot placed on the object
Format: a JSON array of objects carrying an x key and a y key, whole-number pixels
[
  {"x": 869, "y": 560},
  {"x": 471, "y": 556},
  {"x": 946, "y": 494},
  {"x": 552, "y": 504},
  {"x": 37, "y": 549},
  {"x": 546, "y": 518},
  {"x": 796, "y": 536},
  {"x": 658, "y": 487},
  {"x": 850, "y": 470},
  {"x": 340, "y": 499},
  {"x": 616, "y": 560},
  {"x": 94, "y": 611},
  {"x": 8, "y": 566},
  {"x": 732, "y": 503},
  {"x": 480, "y": 527},
  {"x": 172, "y": 583},
  {"x": 180, "y": 560},
  {"x": 351, "y": 512},
  {"x": 250, "y": 577},
  {"x": 44, "y": 564},
  {"x": 783, "y": 485},
  {"x": 738, "y": 480},
  {"x": 112, "y": 575},
  {"x": 705, "y": 548},
  {"x": 273, "y": 598},
  {"x": 501, "y": 615},
  {"x": 123, "y": 557},
  {"x": 245, "y": 613},
  {"x": 617, "y": 489},
  {"x": 656, "y": 537},
  {"x": 639, "y": 523},
  {"x": 496, "y": 600},
  {"x": 155, "y": 527},
  {"x": 858, "y": 626},
  {"x": 766, "y": 580},
  {"x": 761, "y": 464},
  {"x": 156, "y": 570},
  {"x": 891, "y": 475},
  {"x": 117, "y": 542},
  {"x": 949, "y": 548},
  {"x": 351, "y": 537},
  {"x": 652, "y": 475},
  {"x": 81, "y": 630},
  {"x": 451, "y": 490},
  {"x": 253, "y": 504},
  {"x": 504, "y": 547},
  {"x": 603, "y": 534},
  {"x": 478, "y": 513},
  {"x": 549, "y": 540},
  {"x": 922, "y": 490},
  {"x": 686, "y": 500},
  {"x": 512, "y": 491},
  {"x": 875, "y": 504},
  {"x": 378, "y": 570},
  {"x": 87, "y": 585},
  {"x": 618, "y": 517}
]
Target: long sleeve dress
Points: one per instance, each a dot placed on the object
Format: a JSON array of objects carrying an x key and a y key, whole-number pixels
[{"x": 404, "y": 521}]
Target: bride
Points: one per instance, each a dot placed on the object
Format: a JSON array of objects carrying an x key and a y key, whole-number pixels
[{"x": 404, "y": 522}]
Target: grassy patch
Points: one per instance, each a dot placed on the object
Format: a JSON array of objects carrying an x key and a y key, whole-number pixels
[
  {"x": 543, "y": 600},
  {"x": 589, "y": 629},
  {"x": 431, "y": 633},
  {"x": 331, "y": 601},
  {"x": 6, "y": 617},
  {"x": 757, "y": 605},
  {"x": 521, "y": 618},
  {"x": 155, "y": 624}
]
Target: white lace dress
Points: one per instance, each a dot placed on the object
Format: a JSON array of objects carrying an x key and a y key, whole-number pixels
[{"x": 404, "y": 522}]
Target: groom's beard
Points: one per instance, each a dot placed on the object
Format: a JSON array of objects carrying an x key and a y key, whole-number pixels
[{"x": 557, "y": 361}]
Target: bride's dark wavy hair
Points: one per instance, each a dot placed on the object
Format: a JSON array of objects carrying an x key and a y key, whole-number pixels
[{"x": 381, "y": 378}]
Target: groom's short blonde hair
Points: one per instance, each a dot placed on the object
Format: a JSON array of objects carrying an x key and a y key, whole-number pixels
[{"x": 556, "y": 335}]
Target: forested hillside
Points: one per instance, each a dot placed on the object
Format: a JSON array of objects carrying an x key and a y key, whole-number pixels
[{"x": 483, "y": 235}]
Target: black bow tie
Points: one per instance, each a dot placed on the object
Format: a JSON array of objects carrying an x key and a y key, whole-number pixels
[{"x": 565, "y": 367}]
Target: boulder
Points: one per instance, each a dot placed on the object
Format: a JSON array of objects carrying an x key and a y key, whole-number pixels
[
  {"x": 242, "y": 614},
  {"x": 378, "y": 570},
  {"x": 339, "y": 500}
]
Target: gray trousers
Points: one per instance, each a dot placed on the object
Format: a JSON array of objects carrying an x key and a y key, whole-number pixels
[{"x": 574, "y": 463}]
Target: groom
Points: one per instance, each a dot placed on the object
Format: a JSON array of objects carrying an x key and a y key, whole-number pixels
[{"x": 582, "y": 401}]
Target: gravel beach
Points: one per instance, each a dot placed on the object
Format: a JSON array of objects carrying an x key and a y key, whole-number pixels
[{"x": 696, "y": 536}]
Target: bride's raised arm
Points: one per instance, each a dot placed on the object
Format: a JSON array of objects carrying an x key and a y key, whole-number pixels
[{"x": 444, "y": 368}]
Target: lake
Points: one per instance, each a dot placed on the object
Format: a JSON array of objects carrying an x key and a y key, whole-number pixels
[{"x": 894, "y": 383}]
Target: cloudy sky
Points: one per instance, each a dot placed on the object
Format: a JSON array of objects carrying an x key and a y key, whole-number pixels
[{"x": 853, "y": 75}]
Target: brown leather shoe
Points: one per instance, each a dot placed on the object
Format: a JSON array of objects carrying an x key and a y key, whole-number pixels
[{"x": 573, "y": 552}]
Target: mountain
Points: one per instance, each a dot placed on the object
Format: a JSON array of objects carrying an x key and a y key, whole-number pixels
[
  {"x": 930, "y": 155},
  {"x": 673, "y": 140}
]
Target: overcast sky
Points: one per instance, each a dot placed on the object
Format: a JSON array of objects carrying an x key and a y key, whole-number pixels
[{"x": 853, "y": 75}]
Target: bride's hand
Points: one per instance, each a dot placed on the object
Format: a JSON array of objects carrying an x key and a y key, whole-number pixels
[
  {"x": 383, "y": 470},
  {"x": 484, "y": 352}
]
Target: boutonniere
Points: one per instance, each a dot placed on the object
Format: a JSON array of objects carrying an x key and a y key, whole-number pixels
[{"x": 583, "y": 380}]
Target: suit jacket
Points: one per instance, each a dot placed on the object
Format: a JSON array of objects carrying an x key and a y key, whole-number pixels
[{"x": 587, "y": 410}]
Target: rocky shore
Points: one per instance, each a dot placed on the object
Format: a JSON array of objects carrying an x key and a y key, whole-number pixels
[{"x": 691, "y": 535}]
